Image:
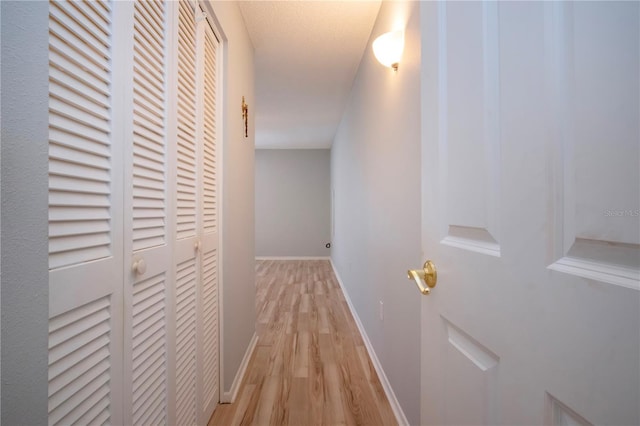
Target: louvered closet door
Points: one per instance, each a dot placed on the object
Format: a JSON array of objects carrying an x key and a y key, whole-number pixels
[
  {"x": 208, "y": 347},
  {"x": 187, "y": 245},
  {"x": 148, "y": 274},
  {"x": 85, "y": 220}
]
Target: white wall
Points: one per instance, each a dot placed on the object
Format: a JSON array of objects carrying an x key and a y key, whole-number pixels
[
  {"x": 376, "y": 178},
  {"x": 24, "y": 180},
  {"x": 238, "y": 248},
  {"x": 293, "y": 202},
  {"x": 0, "y": 223}
]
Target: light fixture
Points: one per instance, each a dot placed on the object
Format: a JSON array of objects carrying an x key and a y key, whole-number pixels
[{"x": 388, "y": 48}]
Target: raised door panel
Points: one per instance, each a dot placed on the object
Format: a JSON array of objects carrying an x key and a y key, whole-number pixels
[
  {"x": 471, "y": 382},
  {"x": 469, "y": 144},
  {"x": 85, "y": 204},
  {"x": 596, "y": 73}
]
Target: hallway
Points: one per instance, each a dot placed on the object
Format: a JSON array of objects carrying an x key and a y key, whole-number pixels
[
  {"x": 152, "y": 151},
  {"x": 310, "y": 365}
]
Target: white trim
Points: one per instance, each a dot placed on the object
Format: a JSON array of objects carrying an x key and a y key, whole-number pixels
[
  {"x": 230, "y": 396},
  {"x": 293, "y": 258},
  {"x": 265, "y": 147},
  {"x": 388, "y": 390}
]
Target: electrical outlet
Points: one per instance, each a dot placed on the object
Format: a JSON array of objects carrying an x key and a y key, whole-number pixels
[{"x": 381, "y": 311}]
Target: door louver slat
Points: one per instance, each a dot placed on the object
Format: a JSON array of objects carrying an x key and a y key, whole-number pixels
[
  {"x": 78, "y": 101},
  {"x": 186, "y": 343},
  {"x": 186, "y": 155},
  {"x": 149, "y": 350},
  {"x": 79, "y": 362},
  {"x": 116, "y": 337},
  {"x": 210, "y": 111},
  {"x": 210, "y": 323},
  {"x": 149, "y": 161}
]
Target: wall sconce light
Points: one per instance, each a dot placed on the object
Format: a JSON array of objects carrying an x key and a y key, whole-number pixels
[{"x": 388, "y": 48}]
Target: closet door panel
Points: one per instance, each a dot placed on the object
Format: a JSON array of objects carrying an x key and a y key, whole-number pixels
[
  {"x": 148, "y": 272},
  {"x": 208, "y": 348},
  {"x": 186, "y": 246},
  {"x": 133, "y": 213},
  {"x": 85, "y": 205}
]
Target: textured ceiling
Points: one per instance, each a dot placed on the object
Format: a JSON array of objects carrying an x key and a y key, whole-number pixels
[{"x": 306, "y": 56}]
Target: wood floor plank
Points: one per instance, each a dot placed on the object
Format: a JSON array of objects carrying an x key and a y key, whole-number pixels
[
  {"x": 310, "y": 365},
  {"x": 333, "y": 409},
  {"x": 301, "y": 357},
  {"x": 299, "y": 402},
  {"x": 268, "y": 400}
]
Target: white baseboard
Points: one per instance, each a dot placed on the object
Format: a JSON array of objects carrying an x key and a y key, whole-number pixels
[
  {"x": 229, "y": 397},
  {"x": 388, "y": 390},
  {"x": 293, "y": 258}
]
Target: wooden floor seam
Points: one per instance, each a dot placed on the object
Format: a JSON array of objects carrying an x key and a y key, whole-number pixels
[{"x": 310, "y": 365}]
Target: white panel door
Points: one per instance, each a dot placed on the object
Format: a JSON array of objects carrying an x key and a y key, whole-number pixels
[
  {"x": 85, "y": 216},
  {"x": 148, "y": 271},
  {"x": 531, "y": 186}
]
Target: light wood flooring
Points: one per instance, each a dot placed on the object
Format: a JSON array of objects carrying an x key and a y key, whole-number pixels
[{"x": 310, "y": 365}]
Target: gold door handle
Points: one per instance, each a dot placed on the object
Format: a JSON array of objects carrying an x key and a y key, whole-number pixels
[{"x": 425, "y": 278}]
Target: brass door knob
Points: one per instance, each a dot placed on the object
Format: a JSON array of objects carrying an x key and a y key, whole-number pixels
[{"x": 425, "y": 278}]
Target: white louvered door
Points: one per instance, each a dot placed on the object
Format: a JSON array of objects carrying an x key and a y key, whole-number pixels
[
  {"x": 147, "y": 267},
  {"x": 133, "y": 225},
  {"x": 208, "y": 360},
  {"x": 85, "y": 223},
  {"x": 186, "y": 240}
]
